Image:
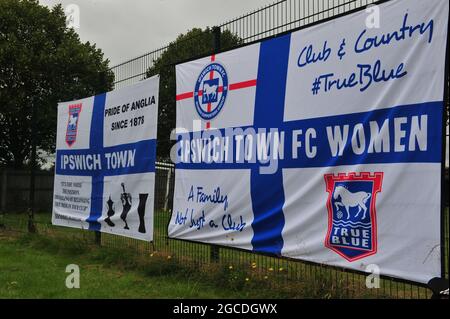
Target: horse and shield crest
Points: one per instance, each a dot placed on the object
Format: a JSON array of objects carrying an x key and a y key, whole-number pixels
[{"x": 352, "y": 225}]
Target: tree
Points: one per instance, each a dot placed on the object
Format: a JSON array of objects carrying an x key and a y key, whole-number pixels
[
  {"x": 193, "y": 44},
  {"x": 42, "y": 62}
]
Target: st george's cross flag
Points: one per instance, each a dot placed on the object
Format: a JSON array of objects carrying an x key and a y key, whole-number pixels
[
  {"x": 323, "y": 145},
  {"x": 105, "y": 161}
]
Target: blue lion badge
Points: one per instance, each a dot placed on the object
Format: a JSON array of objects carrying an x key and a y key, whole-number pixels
[{"x": 352, "y": 227}]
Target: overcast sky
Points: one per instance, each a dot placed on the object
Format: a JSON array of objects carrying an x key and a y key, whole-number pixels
[{"x": 124, "y": 29}]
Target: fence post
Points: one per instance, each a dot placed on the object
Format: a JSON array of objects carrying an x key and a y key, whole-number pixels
[
  {"x": 98, "y": 238},
  {"x": 217, "y": 33},
  {"x": 215, "y": 250}
]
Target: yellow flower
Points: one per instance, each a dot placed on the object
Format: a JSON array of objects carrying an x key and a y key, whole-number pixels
[
  {"x": 247, "y": 279},
  {"x": 169, "y": 257},
  {"x": 253, "y": 266},
  {"x": 270, "y": 269},
  {"x": 230, "y": 267},
  {"x": 281, "y": 269},
  {"x": 151, "y": 255},
  {"x": 265, "y": 277}
]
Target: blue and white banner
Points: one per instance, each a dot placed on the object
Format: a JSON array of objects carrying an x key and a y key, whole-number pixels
[
  {"x": 323, "y": 145},
  {"x": 105, "y": 161}
]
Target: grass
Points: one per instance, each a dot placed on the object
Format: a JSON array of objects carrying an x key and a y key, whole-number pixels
[{"x": 34, "y": 267}]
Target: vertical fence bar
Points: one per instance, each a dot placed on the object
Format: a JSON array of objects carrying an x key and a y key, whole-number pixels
[
  {"x": 3, "y": 195},
  {"x": 34, "y": 133},
  {"x": 444, "y": 185}
]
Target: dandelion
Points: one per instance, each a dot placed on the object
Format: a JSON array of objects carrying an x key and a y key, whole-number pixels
[
  {"x": 247, "y": 279},
  {"x": 169, "y": 257},
  {"x": 151, "y": 255},
  {"x": 281, "y": 269},
  {"x": 230, "y": 267},
  {"x": 266, "y": 277},
  {"x": 270, "y": 269},
  {"x": 253, "y": 266}
]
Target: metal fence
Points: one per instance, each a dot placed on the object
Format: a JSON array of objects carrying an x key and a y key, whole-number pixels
[
  {"x": 265, "y": 22},
  {"x": 15, "y": 190}
]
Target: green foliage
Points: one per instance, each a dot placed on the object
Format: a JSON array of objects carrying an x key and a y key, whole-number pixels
[
  {"x": 41, "y": 62},
  {"x": 195, "y": 43}
]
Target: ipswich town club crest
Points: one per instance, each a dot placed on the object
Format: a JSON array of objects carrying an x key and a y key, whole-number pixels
[
  {"x": 352, "y": 224},
  {"x": 211, "y": 89},
  {"x": 72, "y": 124}
]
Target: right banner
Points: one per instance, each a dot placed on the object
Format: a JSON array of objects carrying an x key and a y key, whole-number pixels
[{"x": 323, "y": 145}]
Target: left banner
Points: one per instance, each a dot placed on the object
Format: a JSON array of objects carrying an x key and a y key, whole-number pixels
[{"x": 105, "y": 161}]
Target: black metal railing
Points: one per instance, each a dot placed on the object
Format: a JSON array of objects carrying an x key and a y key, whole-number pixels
[
  {"x": 279, "y": 17},
  {"x": 268, "y": 21}
]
